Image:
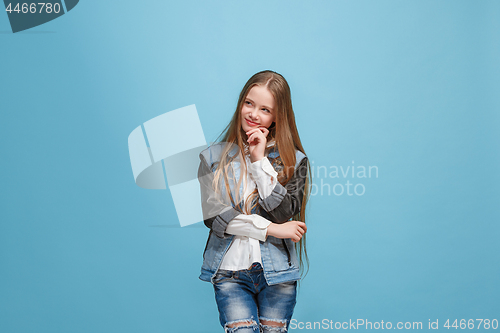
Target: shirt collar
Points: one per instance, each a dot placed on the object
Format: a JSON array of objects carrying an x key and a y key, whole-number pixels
[{"x": 269, "y": 144}]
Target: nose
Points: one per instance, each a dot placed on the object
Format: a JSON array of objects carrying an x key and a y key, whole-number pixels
[{"x": 254, "y": 114}]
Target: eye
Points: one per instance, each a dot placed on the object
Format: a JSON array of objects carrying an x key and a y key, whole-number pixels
[
  {"x": 266, "y": 110},
  {"x": 247, "y": 102}
]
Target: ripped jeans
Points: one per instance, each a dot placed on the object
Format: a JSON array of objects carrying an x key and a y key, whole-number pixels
[{"x": 247, "y": 303}]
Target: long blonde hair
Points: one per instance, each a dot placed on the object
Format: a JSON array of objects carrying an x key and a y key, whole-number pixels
[{"x": 286, "y": 137}]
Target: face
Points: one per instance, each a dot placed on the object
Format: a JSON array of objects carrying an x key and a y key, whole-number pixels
[{"x": 258, "y": 109}]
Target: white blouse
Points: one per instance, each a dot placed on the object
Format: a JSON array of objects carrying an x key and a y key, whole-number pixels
[{"x": 250, "y": 229}]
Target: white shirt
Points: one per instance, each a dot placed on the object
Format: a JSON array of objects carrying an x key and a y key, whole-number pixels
[{"x": 250, "y": 229}]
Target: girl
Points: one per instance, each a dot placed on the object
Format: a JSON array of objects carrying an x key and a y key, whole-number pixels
[{"x": 253, "y": 182}]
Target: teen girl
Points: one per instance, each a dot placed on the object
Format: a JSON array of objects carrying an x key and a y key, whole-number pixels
[{"x": 253, "y": 182}]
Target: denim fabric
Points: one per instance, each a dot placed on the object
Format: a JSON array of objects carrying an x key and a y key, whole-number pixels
[
  {"x": 246, "y": 301},
  {"x": 279, "y": 258}
]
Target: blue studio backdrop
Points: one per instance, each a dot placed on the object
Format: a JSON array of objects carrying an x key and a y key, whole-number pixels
[{"x": 405, "y": 90}]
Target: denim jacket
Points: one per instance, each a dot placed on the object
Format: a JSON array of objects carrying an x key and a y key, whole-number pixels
[{"x": 279, "y": 259}]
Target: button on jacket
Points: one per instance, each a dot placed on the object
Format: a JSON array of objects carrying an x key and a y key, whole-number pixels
[{"x": 278, "y": 256}]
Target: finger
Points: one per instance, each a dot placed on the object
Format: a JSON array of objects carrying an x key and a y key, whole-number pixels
[
  {"x": 258, "y": 130},
  {"x": 254, "y": 138},
  {"x": 253, "y": 130},
  {"x": 257, "y": 135},
  {"x": 251, "y": 138},
  {"x": 264, "y": 130}
]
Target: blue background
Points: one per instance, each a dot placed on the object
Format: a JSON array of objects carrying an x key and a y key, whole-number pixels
[{"x": 408, "y": 86}]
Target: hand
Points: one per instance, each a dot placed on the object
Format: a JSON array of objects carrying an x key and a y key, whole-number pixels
[
  {"x": 257, "y": 142},
  {"x": 290, "y": 229}
]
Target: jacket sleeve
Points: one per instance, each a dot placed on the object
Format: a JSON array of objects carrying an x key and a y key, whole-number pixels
[
  {"x": 216, "y": 212},
  {"x": 286, "y": 201}
]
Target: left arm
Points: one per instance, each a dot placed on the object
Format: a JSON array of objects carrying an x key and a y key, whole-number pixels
[{"x": 286, "y": 201}]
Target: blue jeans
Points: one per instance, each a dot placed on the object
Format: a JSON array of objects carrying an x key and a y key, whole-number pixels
[{"x": 247, "y": 303}]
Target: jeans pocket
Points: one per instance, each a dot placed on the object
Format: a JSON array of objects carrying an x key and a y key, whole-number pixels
[
  {"x": 223, "y": 275},
  {"x": 289, "y": 283}
]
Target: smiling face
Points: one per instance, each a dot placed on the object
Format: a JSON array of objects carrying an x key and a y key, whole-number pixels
[{"x": 258, "y": 109}]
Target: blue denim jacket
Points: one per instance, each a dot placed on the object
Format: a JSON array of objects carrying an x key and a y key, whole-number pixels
[{"x": 279, "y": 258}]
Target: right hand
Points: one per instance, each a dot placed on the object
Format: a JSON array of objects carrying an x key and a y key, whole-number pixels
[
  {"x": 257, "y": 143},
  {"x": 290, "y": 229}
]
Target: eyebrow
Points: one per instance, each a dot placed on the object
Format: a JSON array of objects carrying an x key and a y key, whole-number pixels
[{"x": 267, "y": 107}]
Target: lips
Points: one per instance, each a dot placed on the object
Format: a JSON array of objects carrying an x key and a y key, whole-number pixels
[{"x": 251, "y": 123}]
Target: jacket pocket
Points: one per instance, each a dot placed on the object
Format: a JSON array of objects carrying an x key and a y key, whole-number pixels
[
  {"x": 206, "y": 245},
  {"x": 211, "y": 249},
  {"x": 292, "y": 252},
  {"x": 278, "y": 253},
  {"x": 287, "y": 253}
]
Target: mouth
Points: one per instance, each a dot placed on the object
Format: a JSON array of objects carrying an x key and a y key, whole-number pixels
[{"x": 251, "y": 123}]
